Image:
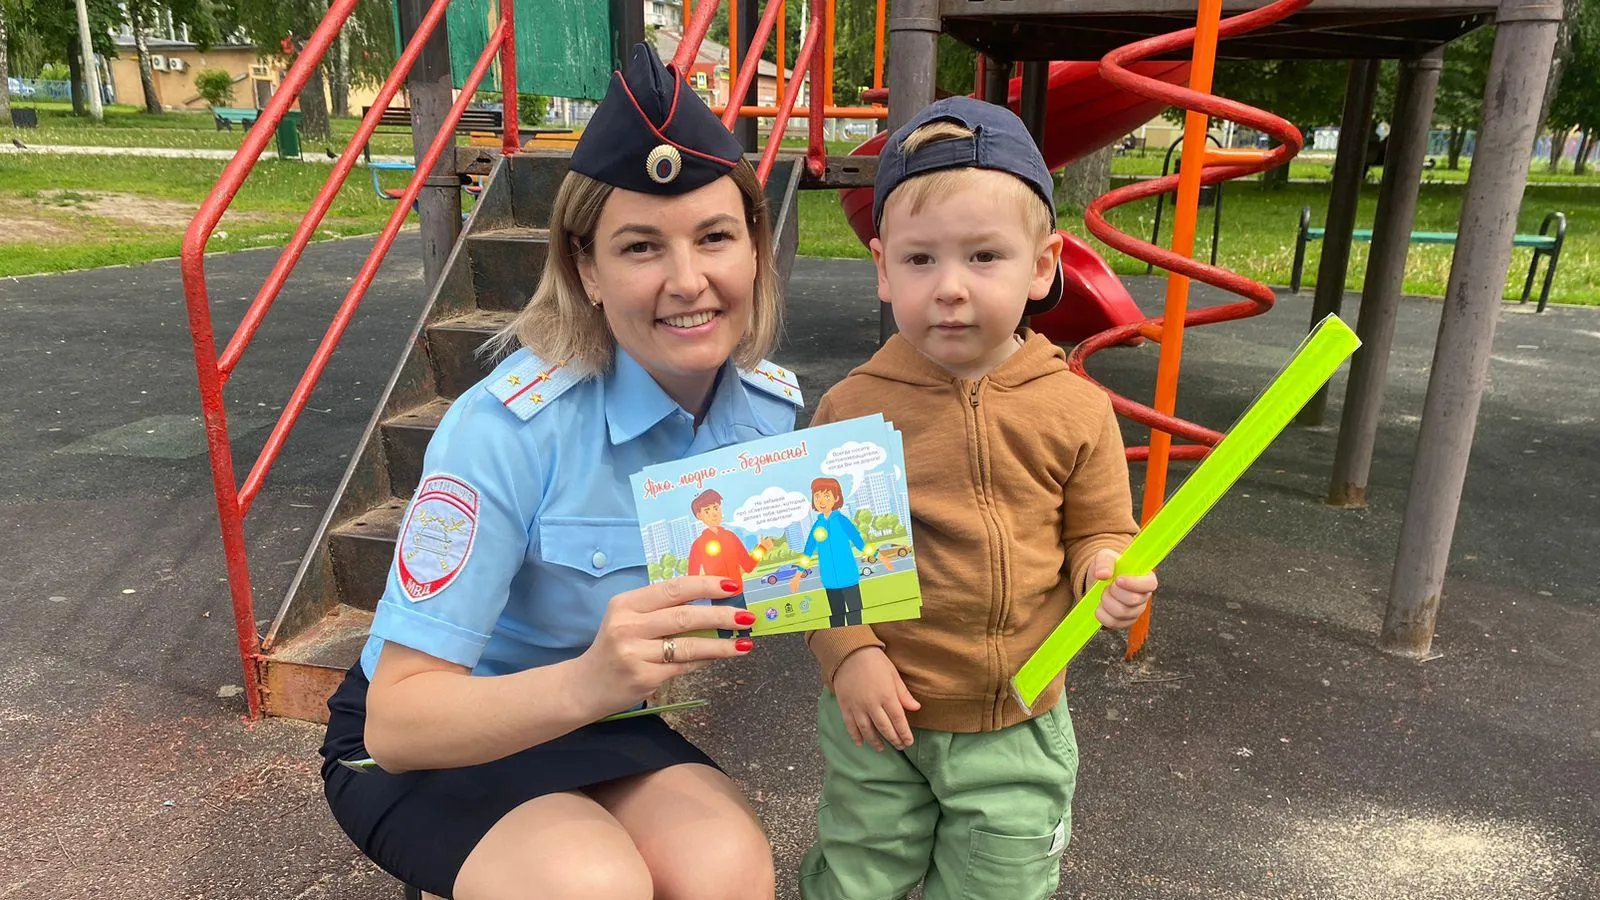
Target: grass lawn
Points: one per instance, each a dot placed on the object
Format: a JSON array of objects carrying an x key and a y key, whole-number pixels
[
  {"x": 1319, "y": 166},
  {"x": 1258, "y": 235},
  {"x": 82, "y": 212},
  {"x": 130, "y": 126}
]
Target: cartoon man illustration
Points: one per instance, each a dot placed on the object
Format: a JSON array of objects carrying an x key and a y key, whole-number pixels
[
  {"x": 718, "y": 551},
  {"x": 832, "y": 542}
]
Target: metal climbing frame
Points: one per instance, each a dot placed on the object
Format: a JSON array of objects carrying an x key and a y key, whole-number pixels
[{"x": 234, "y": 499}]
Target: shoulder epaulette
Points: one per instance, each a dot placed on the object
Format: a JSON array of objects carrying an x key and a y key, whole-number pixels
[
  {"x": 771, "y": 378},
  {"x": 532, "y": 384}
]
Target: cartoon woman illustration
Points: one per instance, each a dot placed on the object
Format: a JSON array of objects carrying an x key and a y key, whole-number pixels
[{"x": 832, "y": 543}]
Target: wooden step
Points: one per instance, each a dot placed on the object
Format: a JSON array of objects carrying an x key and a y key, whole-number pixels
[
  {"x": 298, "y": 675},
  {"x": 405, "y": 441},
  {"x": 362, "y": 550},
  {"x": 453, "y": 345},
  {"x": 506, "y": 264}
]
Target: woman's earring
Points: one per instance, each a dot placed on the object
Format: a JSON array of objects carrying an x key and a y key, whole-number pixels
[{"x": 594, "y": 302}]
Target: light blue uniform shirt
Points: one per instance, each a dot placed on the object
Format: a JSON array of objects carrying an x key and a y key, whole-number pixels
[{"x": 523, "y": 527}]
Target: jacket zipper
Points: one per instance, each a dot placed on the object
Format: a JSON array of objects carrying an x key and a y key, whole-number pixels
[{"x": 999, "y": 618}]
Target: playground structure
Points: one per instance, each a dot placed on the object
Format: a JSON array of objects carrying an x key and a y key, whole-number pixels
[{"x": 478, "y": 273}]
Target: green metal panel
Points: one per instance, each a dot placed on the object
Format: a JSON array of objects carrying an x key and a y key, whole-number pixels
[{"x": 563, "y": 46}]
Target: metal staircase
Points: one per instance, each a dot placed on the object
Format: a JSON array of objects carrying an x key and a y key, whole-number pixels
[{"x": 322, "y": 624}]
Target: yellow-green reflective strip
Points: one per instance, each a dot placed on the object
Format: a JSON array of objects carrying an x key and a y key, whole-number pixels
[{"x": 1318, "y": 357}]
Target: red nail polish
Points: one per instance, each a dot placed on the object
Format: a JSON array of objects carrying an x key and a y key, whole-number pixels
[
  {"x": 731, "y": 586},
  {"x": 744, "y": 617},
  {"x": 744, "y": 645}
]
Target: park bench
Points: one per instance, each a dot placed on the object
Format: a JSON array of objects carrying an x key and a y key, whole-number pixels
[
  {"x": 226, "y": 117},
  {"x": 1544, "y": 244},
  {"x": 482, "y": 127},
  {"x": 397, "y": 120}
]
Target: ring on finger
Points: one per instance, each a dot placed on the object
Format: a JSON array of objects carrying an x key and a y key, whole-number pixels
[{"x": 669, "y": 650}]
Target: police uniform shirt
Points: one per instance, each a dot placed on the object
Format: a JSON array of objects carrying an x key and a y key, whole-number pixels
[{"x": 524, "y": 527}]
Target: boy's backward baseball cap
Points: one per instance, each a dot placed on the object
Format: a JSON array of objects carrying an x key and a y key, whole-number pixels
[{"x": 999, "y": 142}]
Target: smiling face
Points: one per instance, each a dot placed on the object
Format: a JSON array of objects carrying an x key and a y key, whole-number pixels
[
  {"x": 823, "y": 501},
  {"x": 959, "y": 267},
  {"x": 711, "y": 515},
  {"x": 675, "y": 276}
]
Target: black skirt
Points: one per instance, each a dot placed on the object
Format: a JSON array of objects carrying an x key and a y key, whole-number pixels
[{"x": 420, "y": 826}]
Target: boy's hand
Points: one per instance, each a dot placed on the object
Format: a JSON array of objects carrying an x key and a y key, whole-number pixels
[
  {"x": 1124, "y": 600},
  {"x": 873, "y": 699}
]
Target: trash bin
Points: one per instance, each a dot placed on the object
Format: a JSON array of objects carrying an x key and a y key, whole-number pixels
[{"x": 288, "y": 135}]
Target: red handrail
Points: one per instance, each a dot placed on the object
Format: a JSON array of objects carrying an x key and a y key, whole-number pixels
[
  {"x": 324, "y": 199},
  {"x": 1114, "y": 68},
  {"x": 806, "y": 67},
  {"x": 213, "y": 372}
]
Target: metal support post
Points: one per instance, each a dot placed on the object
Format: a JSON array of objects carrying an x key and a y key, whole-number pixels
[
  {"x": 429, "y": 85},
  {"x": 1518, "y": 68},
  {"x": 913, "y": 49},
  {"x": 1380, "y": 295},
  {"x": 1361, "y": 89}
]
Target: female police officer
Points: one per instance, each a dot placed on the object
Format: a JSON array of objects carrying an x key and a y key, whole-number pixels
[{"x": 517, "y": 613}]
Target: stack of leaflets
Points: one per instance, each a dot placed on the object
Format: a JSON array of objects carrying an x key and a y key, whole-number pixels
[{"x": 816, "y": 524}]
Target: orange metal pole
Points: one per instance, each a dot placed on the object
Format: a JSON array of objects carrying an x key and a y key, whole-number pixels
[
  {"x": 831, "y": 112},
  {"x": 783, "y": 25},
  {"x": 687, "y": 12},
  {"x": 733, "y": 49},
  {"x": 877, "y": 50},
  {"x": 827, "y": 56},
  {"x": 1177, "y": 303}
]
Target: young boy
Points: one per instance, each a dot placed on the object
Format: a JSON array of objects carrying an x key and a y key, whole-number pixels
[{"x": 1020, "y": 500}]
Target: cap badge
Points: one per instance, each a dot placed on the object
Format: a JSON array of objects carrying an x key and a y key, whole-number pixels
[{"x": 663, "y": 164}]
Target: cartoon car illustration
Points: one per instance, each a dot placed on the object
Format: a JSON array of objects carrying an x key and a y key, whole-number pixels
[
  {"x": 892, "y": 549},
  {"x": 785, "y": 572}
]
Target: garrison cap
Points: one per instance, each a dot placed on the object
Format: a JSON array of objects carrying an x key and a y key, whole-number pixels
[{"x": 652, "y": 133}]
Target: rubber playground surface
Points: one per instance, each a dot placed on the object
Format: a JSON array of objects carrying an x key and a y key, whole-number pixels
[{"x": 1262, "y": 748}]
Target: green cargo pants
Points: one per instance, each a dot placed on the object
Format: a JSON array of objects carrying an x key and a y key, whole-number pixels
[{"x": 982, "y": 816}]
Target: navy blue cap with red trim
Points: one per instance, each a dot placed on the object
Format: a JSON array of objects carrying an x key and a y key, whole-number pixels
[
  {"x": 653, "y": 134},
  {"x": 1000, "y": 141}
]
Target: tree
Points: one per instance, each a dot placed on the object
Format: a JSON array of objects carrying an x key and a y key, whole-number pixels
[
  {"x": 5, "y": 72},
  {"x": 1084, "y": 179},
  {"x": 1459, "y": 105},
  {"x": 863, "y": 520},
  {"x": 886, "y": 523},
  {"x": 280, "y": 28},
  {"x": 215, "y": 86},
  {"x": 1571, "y": 10},
  {"x": 1307, "y": 92},
  {"x": 1577, "y": 100},
  {"x": 46, "y": 31},
  {"x": 531, "y": 110}
]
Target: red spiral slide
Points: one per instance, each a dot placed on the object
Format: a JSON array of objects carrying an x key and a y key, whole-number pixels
[{"x": 1083, "y": 114}]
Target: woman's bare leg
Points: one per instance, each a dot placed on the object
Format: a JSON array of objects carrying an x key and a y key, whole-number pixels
[
  {"x": 694, "y": 831},
  {"x": 555, "y": 847}
]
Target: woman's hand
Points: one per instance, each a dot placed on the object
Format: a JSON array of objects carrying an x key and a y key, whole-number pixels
[
  {"x": 637, "y": 648},
  {"x": 873, "y": 700}
]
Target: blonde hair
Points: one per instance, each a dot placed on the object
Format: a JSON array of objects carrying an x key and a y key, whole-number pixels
[
  {"x": 559, "y": 322},
  {"x": 919, "y": 189}
]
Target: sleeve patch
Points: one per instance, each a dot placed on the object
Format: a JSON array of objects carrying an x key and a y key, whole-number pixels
[{"x": 437, "y": 536}]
